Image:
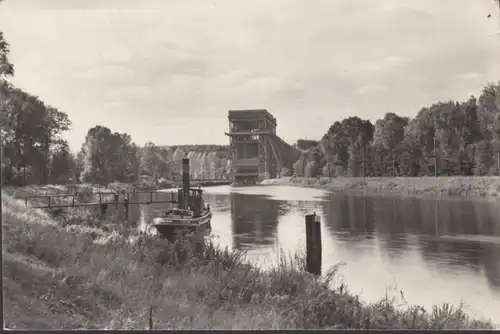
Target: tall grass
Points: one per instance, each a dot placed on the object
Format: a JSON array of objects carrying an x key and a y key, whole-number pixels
[{"x": 96, "y": 277}]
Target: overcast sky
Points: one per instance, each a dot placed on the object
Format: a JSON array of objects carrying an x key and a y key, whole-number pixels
[{"x": 168, "y": 71}]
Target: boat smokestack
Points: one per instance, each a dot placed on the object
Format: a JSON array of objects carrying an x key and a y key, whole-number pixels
[{"x": 185, "y": 182}]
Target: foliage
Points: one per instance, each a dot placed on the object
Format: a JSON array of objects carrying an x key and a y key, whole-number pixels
[
  {"x": 305, "y": 144},
  {"x": 154, "y": 161},
  {"x": 32, "y": 139},
  {"x": 108, "y": 157},
  {"x": 459, "y": 138},
  {"x": 6, "y": 67},
  {"x": 34, "y": 150},
  {"x": 64, "y": 167}
]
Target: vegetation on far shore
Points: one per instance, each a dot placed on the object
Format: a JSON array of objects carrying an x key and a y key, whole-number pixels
[
  {"x": 447, "y": 138},
  {"x": 469, "y": 186},
  {"x": 79, "y": 270}
]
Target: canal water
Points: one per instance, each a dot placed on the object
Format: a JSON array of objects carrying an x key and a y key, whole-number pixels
[{"x": 420, "y": 251}]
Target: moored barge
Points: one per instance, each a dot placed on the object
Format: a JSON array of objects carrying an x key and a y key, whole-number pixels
[{"x": 191, "y": 213}]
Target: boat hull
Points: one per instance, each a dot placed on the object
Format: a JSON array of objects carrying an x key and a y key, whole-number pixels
[
  {"x": 172, "y": 228},
  {"x": 240, "y": 185},
  {"x": 244, "y": 183}
]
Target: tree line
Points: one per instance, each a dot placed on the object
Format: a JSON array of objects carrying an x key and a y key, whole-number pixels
[
  {"x": 444, "y": 139},
  {"x": 35, "y": 152}
]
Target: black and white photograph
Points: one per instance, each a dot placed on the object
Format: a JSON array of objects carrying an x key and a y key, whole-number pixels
[{"x": 250, "y": 164}]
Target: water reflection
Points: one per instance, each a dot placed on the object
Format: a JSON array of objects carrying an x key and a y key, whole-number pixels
[
  {"x": 218, "y": 202},
  {"x": 254, "y": 220},
  {"x": 398, "y": 225},
  {"x": 352, "y": 214},
  {"x": 402, "y": 225},
  {"x": 436, "y": 251}
]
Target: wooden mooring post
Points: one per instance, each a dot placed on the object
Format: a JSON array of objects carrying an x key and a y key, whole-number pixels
[
  {"x": 150, "y": 327},
  {"x": 313, "y": 244}
]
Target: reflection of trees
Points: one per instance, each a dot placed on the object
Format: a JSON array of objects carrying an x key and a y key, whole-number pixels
[
  {"x": 392, "y": 220},
  {"x": 395, "y": 219},
  {"x": 411, "y": 218},
  {"x": 360, "y": 215},
  {"x": 453, "y": 252},
  {"x": 444, "y": 218},
  {"x": 454, "y": 217},
  {"x": 488, "y": 223},
  {"x": 254, "y": 219},
  {"x": 491, "y": 264},
  {"x": 352, "y": 214}
]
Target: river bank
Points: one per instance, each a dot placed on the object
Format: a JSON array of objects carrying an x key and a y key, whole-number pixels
[
  {"x": 403, "y": 186},
  {"x": 80, "y": 270}
]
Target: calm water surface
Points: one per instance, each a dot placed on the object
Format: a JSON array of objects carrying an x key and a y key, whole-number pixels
[{"x": 434, "y": 251}]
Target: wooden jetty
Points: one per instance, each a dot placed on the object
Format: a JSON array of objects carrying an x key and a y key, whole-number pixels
[
  {"x": 71, "y": 200},
  {"x": 211, "y": 183}
]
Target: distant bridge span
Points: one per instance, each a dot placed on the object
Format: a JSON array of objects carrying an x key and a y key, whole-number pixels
[{"x": 257, "y": 152}]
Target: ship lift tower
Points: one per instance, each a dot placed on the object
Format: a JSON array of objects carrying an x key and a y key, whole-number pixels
[{"x": 253, "y": 153}]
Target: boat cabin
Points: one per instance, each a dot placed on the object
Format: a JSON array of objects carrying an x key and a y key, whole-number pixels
[{"x": 195, "y": 202}]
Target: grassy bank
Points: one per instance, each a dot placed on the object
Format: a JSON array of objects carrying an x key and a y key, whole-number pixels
[
  {"x": 405, "y": 186},
  {"x": 80, "y": 271}
]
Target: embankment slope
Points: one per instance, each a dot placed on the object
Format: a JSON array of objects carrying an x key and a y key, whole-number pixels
[
  {"x": 404, "y": 186},
  {"x": 84, "y": 277}
]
